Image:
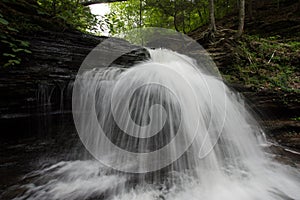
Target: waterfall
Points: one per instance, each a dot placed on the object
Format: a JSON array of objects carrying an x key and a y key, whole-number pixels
[{"x": 165, "y": 129}]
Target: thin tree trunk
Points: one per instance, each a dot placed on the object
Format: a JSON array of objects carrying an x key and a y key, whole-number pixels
[
  {"x": 241, "y": 19},
  {"x": 140, "y": 21},
  {"x": 237, "y": 4},
  {"x": 54, "y": 11},
  {"x": 250, "y": 9},
  {"x": 175, "y": 16},
  {"x": 200, "y": 15},
  {"x": 175, "y": 22},
  {"x": 227, "y": 7},
  {"x": 213, "y": 27},
  {"x": 183, "y": 24}
]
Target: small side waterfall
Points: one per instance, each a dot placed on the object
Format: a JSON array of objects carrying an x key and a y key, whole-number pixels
[
  {"x": 169, "y": 131},
  {"x": 51, "y": 98}
]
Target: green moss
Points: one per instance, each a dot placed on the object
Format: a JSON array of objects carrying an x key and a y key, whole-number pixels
[
  {"x": 295, "y": 45},
  {"x": 266, "y": 63}
]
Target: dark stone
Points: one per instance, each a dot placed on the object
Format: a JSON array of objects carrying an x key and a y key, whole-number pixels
[{"x": 46, "y": 75}]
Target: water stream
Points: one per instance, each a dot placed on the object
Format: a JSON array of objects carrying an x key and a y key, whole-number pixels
[{"x": 163, "y": 129}]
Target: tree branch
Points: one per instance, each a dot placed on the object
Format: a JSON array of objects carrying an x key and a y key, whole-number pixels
[{"x": 91, "y": 2}]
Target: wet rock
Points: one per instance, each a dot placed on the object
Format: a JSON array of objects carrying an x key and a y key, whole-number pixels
[{"x": 46, "y": 75}]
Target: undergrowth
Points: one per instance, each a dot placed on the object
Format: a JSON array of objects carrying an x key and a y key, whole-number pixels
[{"x": 266, "y": 63}]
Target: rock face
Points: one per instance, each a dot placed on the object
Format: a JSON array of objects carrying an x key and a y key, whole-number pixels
[
  {"x": 42, "y": 84},
  {"x": 45, "y": 77},
  {"x": 54, "y": 60},
  {"x": 269, "y": 104}
]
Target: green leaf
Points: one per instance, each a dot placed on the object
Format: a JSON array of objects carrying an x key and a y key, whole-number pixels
[
  {"x": 3, "y": 37},
  {"x": 17, "y": 50},
  {"x": 41, "y": 12},
  {"x": 12, "y": 29},
  {"x": 17, "y": 61},
  {"x": 9, "y": 55},
  {"x": 6, "y": 42},
  {"x": 6, "y": 64},
  {"x": 27, "y": 51},
  {"x": 12, "y": 62},
  {"x": 3, "y": 21},
  {"x": 25, "y": 43}
]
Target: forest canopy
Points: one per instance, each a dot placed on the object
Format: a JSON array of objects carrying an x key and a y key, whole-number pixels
[{"x": 181, "y": 15}]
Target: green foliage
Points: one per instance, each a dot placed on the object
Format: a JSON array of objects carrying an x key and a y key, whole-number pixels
[
  {"x": 267, "y": 63},
  {"x": 70, "y": 12},
  {"x": 123, "y": 16},
  {"x": 181, "y": 15},
  {"x": 295, "y": 45},
  {"x": 295, "y": 118},
  {"x": 28, "y": 16},
  {"x": 12, "y": 48}
]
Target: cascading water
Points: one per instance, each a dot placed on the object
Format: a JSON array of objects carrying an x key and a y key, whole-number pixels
[
  {"x": 169, "y": 131},
  {"x": 164, "y": 128},
  {"x": 182, "y": 126}
]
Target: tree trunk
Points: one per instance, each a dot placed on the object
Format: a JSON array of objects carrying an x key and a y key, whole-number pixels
[
  {"x": 54, "y": 8},
  {"x": 183, "y": 24},
  {"x": 241, "y": 19},
  {"x": 175, "y": 22},
  {"x": 250, "y": 9},
  {"x": 200, "y": 15},
  {"x": 175, "y": 16},
  {"x": 140, "y": 21},
  {"x": 213, "y": 27}
]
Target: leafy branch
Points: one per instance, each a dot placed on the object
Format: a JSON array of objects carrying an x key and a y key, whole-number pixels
[{"x": 12, "y": 48}]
